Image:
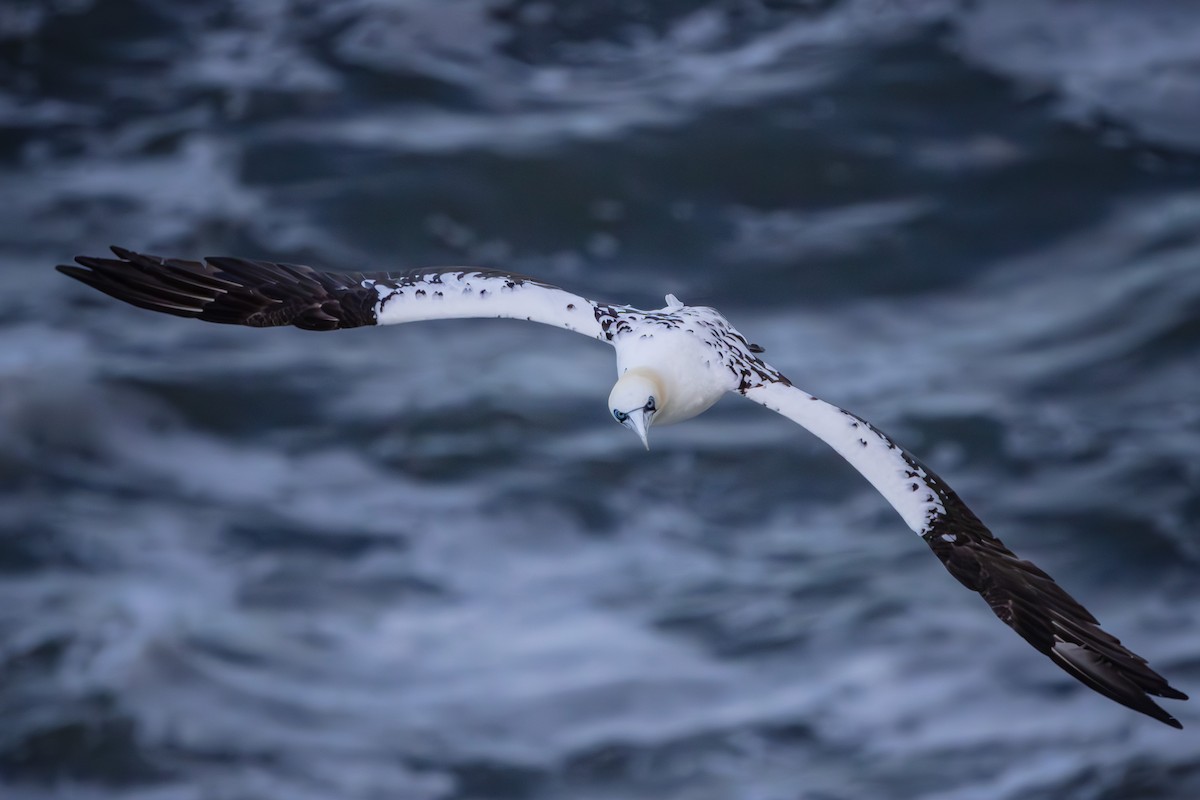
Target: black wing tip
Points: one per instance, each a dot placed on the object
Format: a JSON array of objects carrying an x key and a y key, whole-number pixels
[
  {"x": 71, "y": 270},
  {"x": 1030, "y": 602},
  {"x": 1153, "y": 709},
  {"x": 228, "y": 290},
  {"x": 1138, "y": 699},
  {"x": 94, "y": 262},
  {"x": 1172, "y": 693}
]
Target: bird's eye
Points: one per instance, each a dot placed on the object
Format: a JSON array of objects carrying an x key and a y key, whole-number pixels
[
  {"x": 649, "y": 405},
  {"x": 620, "y": 416}
]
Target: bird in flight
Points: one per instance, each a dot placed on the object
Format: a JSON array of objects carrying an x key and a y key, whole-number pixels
[{"x": 672, "y": 364}]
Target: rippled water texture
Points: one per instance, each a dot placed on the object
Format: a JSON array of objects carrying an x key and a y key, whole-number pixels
[{"x": 420, "y": 562}]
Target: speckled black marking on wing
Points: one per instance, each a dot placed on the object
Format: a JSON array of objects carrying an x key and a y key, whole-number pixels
[
  {"x": 1037, "y": 608},
  {"x": 239, "y": 291}
]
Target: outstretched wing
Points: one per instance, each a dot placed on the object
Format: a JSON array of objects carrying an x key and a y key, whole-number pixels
[
  {"x": 264, "y": 294},
  {"x": 1023, "y": 596}
]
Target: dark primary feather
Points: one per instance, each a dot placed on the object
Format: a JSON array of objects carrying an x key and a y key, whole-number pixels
[
  {"x": 1037, "y": 608},
  {"x": 232, "y": 290}
]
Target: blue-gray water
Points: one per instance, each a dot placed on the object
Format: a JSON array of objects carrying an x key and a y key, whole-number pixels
[{"x": 421, "y": 562}]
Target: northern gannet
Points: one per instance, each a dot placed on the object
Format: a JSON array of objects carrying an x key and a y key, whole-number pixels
[{"x": 672, "y": 364}]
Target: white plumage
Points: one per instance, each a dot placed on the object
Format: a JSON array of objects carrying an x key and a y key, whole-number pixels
[{"x": 672, "y": 364}]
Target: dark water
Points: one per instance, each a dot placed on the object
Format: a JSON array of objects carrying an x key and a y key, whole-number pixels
[{"x": 421, "y": 563}]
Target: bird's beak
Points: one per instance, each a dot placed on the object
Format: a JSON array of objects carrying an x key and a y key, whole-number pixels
[{"x": 638, "y": 422}]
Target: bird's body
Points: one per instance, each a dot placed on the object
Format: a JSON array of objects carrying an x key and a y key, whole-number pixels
[
  {"x": 672, "y": 364},
  {"x": 688, "y": 349}
]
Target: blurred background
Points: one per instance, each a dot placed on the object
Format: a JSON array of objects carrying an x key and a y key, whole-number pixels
[{"x": 421, "y": 562}]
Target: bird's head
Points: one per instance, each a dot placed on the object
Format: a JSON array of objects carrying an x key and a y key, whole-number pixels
[{"x": 635, "y": 399}]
